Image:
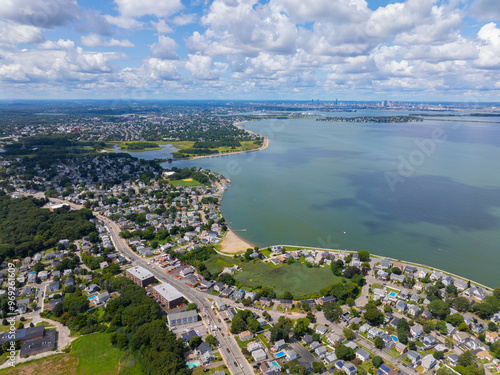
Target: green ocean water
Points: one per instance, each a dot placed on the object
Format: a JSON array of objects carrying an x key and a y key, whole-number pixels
[{"x": 427, "y": 192}]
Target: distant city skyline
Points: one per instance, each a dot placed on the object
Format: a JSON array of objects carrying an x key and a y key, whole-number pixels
[{"x": 413, "y": 50}]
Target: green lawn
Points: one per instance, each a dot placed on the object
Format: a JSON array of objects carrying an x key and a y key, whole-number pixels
[
  {"x": 296, "y": 278},
  {"x": 96, "y": 355},
  {"x": 184, "y": 183}
]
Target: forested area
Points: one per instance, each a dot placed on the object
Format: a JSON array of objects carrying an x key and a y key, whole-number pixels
[
  {"x": 134, "y": 322},
  {"x": 26, "y": 228}
]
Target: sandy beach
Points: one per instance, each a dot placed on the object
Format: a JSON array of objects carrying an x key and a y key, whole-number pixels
[
  {"x": 265, "y": 145},
  {"x": 232, "y": 244}
]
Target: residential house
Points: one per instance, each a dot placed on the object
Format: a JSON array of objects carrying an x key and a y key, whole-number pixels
[
  {"x": 453, "y": 358},
  {"x": 397, "y": 278},
  {"x": 326, "y": 299},
  {"x": 259, "y": 355},
  {"x": 401, "y": 306},
  {"x": 429, "y": 342},
  {"x": 246, "y": 335},
  {"x": 362, "y": 354},
  {"x": 350, "y": 369},
  {"x": 335, "y": 339},
  {"x": 374, "y": 332},
  {"x": 414, "y": 357},
  {"x": 401, "y": 348},
  {"x": 428, "y": 362},
  {"x": 383, "y": 370},
  {"x": 320, "y": 351},
  {"x": 492, "y": 337},
  {"x": 286, "y": 303},
  {"x": 266, "y": 301},
  {"x": 102, "y": 298},
  {"x": 321, "y": 330},
  {"x": 460, "y": 337},
  {"x": 416, "y": 330},
  {"x": 291, "y": 354},
  {"x": 278, "y": 345}
]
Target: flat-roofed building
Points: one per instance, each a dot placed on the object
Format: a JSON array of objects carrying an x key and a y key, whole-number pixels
[
  {"x": 168, "y": 295},
  {"x": 180, "y": 318},
  {"x": 140, "y": 276}
]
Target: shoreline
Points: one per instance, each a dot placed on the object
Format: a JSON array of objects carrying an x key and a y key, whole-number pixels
[
  {"x": 233, "y": 244},
  {"x": 406, "y": 262},
  {"x": 265, "y": 144}
]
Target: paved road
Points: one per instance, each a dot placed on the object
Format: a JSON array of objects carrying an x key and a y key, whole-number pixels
[{"x": 229, "y": 350}]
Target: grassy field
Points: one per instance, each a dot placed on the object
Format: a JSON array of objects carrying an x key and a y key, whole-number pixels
[
  {"x": 96, "y": 355},
  {"x": 296, "y": 278},
  {"x": 184, "y": 183},
  {"x": 92, "y": 354}
]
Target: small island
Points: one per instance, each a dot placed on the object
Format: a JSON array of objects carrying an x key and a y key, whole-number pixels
[{"x": 373, "y": 119}]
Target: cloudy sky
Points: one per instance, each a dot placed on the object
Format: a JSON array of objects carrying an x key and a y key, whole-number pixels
[{"x": 250, "y": 49}]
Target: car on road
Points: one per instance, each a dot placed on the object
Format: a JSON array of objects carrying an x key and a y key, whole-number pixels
[
  {"x": 228, "y": 350},
  {"x": 235, "y": 364}
]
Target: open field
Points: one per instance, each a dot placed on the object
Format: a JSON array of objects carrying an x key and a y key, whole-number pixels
[
  {"x": 296, "y": 278},
  {"x": 186, "y": 182},
  {"x": 92, "y": 354},
  {"x": 96, "y": 355}
]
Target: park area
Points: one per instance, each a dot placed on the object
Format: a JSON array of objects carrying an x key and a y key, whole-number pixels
[
  {"x": 295, "y": 278},
  {"x": 91, "y": 355}
]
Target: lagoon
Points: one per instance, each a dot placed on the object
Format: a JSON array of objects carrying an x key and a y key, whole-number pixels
[{"x": 427, "y": 192}]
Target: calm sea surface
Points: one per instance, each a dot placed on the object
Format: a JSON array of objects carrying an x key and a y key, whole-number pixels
[{"x": 427, "y": 192}]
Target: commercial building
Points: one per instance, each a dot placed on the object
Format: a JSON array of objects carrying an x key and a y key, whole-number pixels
[
  {"x": 180, "y": 318},
  {"x": 168, "y": 295},
  {"x": 140, "y": 276}
]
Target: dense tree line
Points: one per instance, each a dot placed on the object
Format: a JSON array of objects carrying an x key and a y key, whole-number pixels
[
  {"x": 192, "y": 172},
  {"x": 134, "y": 321},
  {"x": 26, "y": 228},
  {"x": 218, "y": 143}
]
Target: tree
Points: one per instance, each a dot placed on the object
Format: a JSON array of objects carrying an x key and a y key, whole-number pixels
[
  {"x": 301, "y": 327},
  {"x": 403, "y": 330},
  {"x": 377, "y": 361},
  {"x": 451, "y": 290},
  {"x": 438, "y": 355},
  {"x": 195, "y": 342},
  {"x": 484, "y": 310},
  {"x": 364, "y": 255},
  {"x": 38, "y": 267},
  {"x": 455, "y": 319},
  {"x": 191, "y": 306},
  {"x": 379, "y": 342},
  {"x": 441, "y": 327},
  {"x": 226, "y": 278},
  {"x": 492, "y": 327},
  {"x": 466, "y": 359},
  {"x": 439, "y": 308},
  {"x": 210, "y": 339},
  {"x": 461, "y": 304},
  {"x": 287, "y": 295},
  {"x": 349, "y": 334},
  {"x": 345, "y": 353},
  {"x": 332, "y": 311},
  {"x": 318, "y": 367},
  {"x": 396, "y": 270},
  {"x": 374, "y": 316}
]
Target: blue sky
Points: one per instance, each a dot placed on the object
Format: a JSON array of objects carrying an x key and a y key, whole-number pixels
[{"x": 250, "y": 49}]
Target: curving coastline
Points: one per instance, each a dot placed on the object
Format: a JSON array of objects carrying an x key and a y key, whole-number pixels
[{"x": 265, "y": 145}]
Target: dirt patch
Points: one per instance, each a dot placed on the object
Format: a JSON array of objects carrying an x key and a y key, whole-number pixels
[
  {"x": 64, "y": 364},
  {"x": 188, "y": 179}
]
